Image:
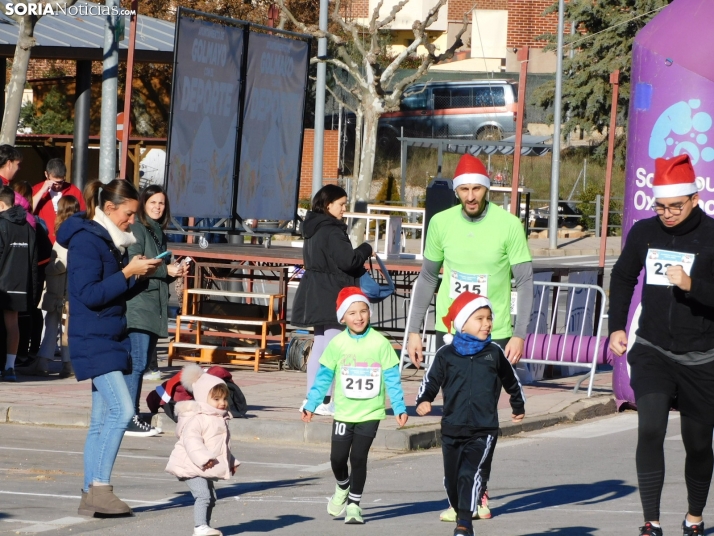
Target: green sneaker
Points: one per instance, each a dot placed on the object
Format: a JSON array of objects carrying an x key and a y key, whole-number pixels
[
  {"x": 353, "y": 515},
  {"x": 483, "y": 511},
  {"x": 448, "y": 515},
  {"x": 337, "y": 502}
]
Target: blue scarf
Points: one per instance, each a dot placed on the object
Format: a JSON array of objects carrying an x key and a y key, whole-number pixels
[{"x": 466, "y": 344}]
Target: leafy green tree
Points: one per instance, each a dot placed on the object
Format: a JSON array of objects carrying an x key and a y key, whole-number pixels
[
  {"x": 603, "y": 42},
  {"x": 53, "y": 116}
]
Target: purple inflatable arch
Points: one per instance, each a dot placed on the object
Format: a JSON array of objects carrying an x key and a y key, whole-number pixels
[{"x": 671, "y": 112}]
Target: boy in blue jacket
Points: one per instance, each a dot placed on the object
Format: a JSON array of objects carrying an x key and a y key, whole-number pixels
[{"x": 471, "y": 371}]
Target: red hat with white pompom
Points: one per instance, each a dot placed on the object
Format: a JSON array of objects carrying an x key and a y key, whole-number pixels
[
  {"x": 347, "y": 297},
  {"x": 674, "y": 177},
  {"x": 470, "y": 170},
  {"x": 461, "y": 309}
]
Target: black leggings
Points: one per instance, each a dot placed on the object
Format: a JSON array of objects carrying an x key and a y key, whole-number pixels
[
  {"x": 356, "y": 449},
  {"x": 653, "y": 412}
]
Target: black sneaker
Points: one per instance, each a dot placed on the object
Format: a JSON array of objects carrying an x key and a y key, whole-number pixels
[
  {"x": 8, "y": 375},
  {"x": 650, "y": 530},
  {"x": 463, "y": 531},
  {"x": 694, "y": 530},
  {"x": 139, "y": 428}
]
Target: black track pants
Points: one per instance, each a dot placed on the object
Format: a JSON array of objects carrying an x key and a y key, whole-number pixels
[{"x": 464, "y": 463}]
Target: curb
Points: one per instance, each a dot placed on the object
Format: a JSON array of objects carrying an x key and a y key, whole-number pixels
[{"x": 320, "y": 433}]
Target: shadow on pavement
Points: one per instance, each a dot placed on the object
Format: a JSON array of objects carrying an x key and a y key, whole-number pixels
[
  {"x": 400, "y": 510},
  {"x": 265, "y": 525},
  {"x": 581, "y": 494},
  {"x": 565, "y": 531},
  {"x": 234, "y": 490}
]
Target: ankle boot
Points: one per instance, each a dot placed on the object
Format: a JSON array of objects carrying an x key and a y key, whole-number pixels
[
  {"x": 101, "y": 500},
  {"x": 84, "y": 509},
  {"x": 67, "y": 371}
]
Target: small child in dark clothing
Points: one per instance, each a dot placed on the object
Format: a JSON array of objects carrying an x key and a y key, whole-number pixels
[
  {"x": 471, "y": 371},
  {"x": 18, "y": 272}
]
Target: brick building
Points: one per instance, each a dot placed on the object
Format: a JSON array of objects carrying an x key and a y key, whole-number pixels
[{"x": 496, "y": 28}]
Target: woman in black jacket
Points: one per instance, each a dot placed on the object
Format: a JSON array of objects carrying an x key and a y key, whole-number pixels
[{"x": 331, "y": 264}]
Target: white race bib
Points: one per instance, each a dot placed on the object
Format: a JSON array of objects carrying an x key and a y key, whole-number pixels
[
  {"x": 658, "y": 260},
  {"x": 361, "y": 382},
  {"x": 460, "y": 283}
]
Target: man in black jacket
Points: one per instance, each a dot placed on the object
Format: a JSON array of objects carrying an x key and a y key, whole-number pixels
[
  {"x": 471, "y": 372},
  {"x": 672, "y": 358},
  {"x": 18, "y": 272}
]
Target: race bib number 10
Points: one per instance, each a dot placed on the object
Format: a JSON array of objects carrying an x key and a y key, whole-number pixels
[
  {"x": 361, "y": 382},
  {"x": 658, "y": 260},
  {"x": 460, "y": 283}
]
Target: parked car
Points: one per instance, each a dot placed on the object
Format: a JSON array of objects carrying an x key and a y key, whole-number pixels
[{"x": 475, "y": 109}]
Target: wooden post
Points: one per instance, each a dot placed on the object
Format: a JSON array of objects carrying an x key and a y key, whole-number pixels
[
  {"x": 522, "y": 57},
  {"x": 615, "y": 81}
]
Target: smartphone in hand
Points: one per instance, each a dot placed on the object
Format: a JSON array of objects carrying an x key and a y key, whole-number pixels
[{"x": 163, "y": 255}]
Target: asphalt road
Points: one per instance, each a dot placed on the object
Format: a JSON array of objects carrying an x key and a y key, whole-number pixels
[{"x": 574, "y": 480}]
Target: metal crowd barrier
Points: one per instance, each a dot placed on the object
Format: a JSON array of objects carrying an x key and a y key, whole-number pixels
[{"x": 578, "y": 343}]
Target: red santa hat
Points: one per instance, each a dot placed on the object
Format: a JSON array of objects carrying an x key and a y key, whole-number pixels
[
  {"x": 347, "y": 297},
  {"x": 461, "y": 309},
  {"x": 674, "y": 177},
  {"x": 470, "y": 170}
]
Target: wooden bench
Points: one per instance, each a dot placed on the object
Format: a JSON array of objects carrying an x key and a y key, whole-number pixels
[{"x": 199, "y": 343}]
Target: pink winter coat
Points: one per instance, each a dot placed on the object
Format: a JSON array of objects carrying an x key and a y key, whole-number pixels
[{"x": 203, "y": 435}]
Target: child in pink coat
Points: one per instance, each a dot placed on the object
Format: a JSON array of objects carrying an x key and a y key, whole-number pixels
[{"x": 202, "y": 453}]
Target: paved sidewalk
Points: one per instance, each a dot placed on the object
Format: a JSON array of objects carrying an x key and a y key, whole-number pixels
[{"x": 274, "y": 398}]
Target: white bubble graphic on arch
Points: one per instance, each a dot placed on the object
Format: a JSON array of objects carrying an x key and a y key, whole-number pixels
[{"x": 681, "y": 129}]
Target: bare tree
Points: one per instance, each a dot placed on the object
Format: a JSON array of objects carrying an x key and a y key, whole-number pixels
[
  {"x": 18, "y": 76},
  {"x": 357, "y": 51}
]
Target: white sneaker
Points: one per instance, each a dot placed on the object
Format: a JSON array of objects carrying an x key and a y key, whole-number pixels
[
  {"x": 205, "y": 530},
  {"x": 153, "y": 376},
  {"x": 325, "y": 409}
]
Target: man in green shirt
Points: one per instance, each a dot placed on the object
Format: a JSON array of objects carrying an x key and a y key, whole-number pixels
[{"x": 479, "y": 245}]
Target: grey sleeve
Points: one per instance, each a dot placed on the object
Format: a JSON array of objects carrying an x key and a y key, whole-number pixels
[
  {"x": 426, "y": 285},
  {"x": 523, "y": 274}
]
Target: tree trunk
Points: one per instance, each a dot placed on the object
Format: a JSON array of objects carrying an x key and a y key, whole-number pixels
[
  {"x": 366, "y": 168},
  {"x": 18, "y": 77},
  {"x": 358, "y": 155}
]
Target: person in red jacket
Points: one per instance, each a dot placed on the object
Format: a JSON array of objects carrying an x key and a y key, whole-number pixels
[
  {"x": 46, "y": 195},
  {"x": 10, "y": 159}
]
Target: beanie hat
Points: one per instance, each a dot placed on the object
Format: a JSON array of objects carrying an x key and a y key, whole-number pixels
[
  {"x": 198, "y": 382},
  {"x": 470, "y": 170},
  {"x": 461, "y": 309},
  {"x": 347, "y": 297},
  {"x": 674, "y": 177}
]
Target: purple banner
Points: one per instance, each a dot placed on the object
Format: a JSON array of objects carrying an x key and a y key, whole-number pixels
[{"x": 671, "y": 113}]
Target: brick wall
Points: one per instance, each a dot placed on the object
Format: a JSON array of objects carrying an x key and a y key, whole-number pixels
[
  {"x": 525, "y": 18},
  {"x": 526, "y": 22},
  {"x": 359, "y": 9},
  {"x": 457, "y": 8},
  {"x": 330, "y": 162}
]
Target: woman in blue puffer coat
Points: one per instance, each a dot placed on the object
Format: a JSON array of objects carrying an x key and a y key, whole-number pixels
[{"x": 100, "y": 280}]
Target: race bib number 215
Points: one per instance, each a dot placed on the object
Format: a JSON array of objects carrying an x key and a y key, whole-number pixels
[{"x": 460, "y": 283}]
